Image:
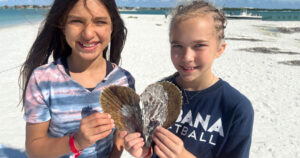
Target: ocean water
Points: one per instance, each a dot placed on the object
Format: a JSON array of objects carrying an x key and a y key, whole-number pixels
[
  {"x": 272, "y": 15},
  {"x": 153, "y": 12},
  {"x": 11, "y": 17},
  {"x": 281, "y": 16}
]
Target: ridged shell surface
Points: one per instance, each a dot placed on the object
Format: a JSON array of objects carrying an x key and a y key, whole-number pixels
[
  {"x": 158, "y": 105},
  {"x": 112, "y": 100}
]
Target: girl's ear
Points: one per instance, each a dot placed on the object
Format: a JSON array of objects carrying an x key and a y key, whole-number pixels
[{"x": 221, "y": 48}]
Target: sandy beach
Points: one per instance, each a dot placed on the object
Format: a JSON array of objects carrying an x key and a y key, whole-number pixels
[{"x": 262, "y": 60}]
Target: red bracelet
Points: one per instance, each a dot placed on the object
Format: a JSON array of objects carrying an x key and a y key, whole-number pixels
[
  {"x": 72, "y": 146},
  {"x": 149, "y": 153}
]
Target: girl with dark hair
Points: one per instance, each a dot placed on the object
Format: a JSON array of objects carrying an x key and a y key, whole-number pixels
[
  {"x": 216, "y": 120},
  {"x": 61, "y": 99}
]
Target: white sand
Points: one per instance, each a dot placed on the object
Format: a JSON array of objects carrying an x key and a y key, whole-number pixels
[{"x": 273, "y": 88}]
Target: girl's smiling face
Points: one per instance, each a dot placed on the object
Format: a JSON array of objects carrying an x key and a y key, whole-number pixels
[
  {"x": 88, "y": 29},
  {"x": 194, "y": 46}
]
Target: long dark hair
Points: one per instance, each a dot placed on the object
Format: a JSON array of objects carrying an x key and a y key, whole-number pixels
[{"x": 51, "y": 40}]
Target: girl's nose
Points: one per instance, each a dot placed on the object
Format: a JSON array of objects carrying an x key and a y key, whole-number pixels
[
  {"x": 88, "y": 32},
  {"x": 188, "y": 54}
]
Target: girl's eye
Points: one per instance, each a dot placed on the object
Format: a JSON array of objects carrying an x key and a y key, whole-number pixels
[
  {"x": 76, "y": 21},
  {"x": 176, "y": 46},
  {"x": 199, "y": 45},
  {"x": 100, "y": 22}
]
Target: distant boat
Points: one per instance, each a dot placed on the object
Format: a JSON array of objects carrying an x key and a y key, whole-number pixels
[{"x": 243, "y": 15}]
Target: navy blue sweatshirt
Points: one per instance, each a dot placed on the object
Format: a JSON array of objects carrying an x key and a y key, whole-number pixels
[{"x": 215, "y": 122}]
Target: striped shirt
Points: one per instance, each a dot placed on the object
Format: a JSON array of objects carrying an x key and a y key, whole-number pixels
[{"x": 51, "y": 94}]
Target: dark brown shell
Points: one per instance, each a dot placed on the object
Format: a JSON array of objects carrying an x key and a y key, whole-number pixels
[{"x": 113, "y": 98}]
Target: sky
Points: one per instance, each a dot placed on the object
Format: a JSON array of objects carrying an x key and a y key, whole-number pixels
[{"x": 275, "y": 4}]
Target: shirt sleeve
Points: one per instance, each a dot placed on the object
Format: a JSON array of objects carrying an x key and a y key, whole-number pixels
[
  {"x": 35, "y": 108},
  {"x": 240, "y": 134}
]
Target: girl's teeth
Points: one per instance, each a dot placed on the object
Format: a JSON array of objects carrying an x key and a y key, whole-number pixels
[{"x": 88, "y": 45}]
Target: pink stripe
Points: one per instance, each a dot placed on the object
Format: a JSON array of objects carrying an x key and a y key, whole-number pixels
[{"x": 50, "y": 75}]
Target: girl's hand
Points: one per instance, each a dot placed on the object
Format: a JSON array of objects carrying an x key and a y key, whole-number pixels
[
  {"x": 93, "y": 128},
  {"x": 169, "y": 145},
  {"x": 134, "y": 144}
]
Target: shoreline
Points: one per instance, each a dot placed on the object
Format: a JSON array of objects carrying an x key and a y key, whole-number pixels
[{"x": 20, "y": 24}]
